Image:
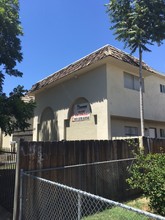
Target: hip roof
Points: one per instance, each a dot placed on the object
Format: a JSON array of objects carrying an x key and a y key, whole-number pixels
[{"x": 106, "y": 51}]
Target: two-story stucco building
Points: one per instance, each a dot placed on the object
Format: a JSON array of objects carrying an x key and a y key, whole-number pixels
[{"x": 97, "y": 97}]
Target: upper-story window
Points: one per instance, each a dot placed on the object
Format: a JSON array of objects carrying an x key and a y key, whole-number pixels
[
  {"x": 132, "y": 82},
  {"x": 162, "y": 88}
]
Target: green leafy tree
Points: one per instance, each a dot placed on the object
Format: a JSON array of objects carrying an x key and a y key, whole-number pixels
[
  {"x": 148, "y": 174},
  {"x": 138, "y": 23},
  {"x": 14, "y": 112}
]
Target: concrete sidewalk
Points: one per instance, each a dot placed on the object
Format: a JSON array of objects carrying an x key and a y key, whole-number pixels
[{"x": 5, "y": 215}]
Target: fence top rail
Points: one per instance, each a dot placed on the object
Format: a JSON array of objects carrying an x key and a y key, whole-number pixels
[
  {"x": 108, "y": 201},
  {"x": 80, "y": 165},
  {"x": 7, "y": 152}
]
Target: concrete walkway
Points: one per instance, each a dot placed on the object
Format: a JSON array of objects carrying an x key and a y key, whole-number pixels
[{"x": 5, "y": 215}]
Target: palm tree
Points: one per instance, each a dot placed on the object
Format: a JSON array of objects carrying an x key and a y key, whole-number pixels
[{"x": 138, "y": 23}]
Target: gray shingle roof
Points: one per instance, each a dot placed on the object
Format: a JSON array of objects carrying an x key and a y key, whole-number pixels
[{"x": 106, "y": 51}]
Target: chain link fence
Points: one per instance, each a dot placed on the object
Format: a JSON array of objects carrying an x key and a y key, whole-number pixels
[
  {"x": 107, "y": 178},
  {"x": 42, "y": 197}
]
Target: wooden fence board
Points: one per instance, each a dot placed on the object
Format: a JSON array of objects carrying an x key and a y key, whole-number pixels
[{"x": 38, "y": 155}]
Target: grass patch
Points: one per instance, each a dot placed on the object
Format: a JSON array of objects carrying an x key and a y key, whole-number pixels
[
  {"x": 140, "y": 203},
  {"x": 118, "y": 213}
]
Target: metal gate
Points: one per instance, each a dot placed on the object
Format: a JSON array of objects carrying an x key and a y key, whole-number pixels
[{"x": 7, "y": 179}]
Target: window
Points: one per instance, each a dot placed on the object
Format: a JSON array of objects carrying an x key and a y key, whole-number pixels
[
  {"x": 162, "y": 133},
  {"x": 132, "y": 82},
  {"x": 131, "y": 131},
  {"x": 152, "y": 132},
  {"x": 162, "y": 88}
]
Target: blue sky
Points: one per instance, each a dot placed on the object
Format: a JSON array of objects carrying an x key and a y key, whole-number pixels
[{"x": 57, "y": 33}]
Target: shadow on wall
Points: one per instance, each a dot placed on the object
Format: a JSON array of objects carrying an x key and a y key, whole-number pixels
[{"x": 48, "y": 129}]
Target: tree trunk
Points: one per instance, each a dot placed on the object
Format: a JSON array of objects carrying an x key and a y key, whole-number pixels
[{"x": 141, "y": 93}]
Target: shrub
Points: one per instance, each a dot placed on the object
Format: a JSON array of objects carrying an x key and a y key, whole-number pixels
[{"x": 148, "y": 174}]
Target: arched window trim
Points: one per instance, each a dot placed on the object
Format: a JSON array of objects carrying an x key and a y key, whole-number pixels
[{"x": 79, "y": 100}]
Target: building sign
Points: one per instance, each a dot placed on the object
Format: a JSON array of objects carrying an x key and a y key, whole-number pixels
[
  {"x": 81, "y": 112},
  {"x": 84, "y": 117}
]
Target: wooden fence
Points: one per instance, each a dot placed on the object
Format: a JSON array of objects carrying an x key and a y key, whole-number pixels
[
  {"x": 42, "y": 155},
  {"x": 39, "y": 155}
]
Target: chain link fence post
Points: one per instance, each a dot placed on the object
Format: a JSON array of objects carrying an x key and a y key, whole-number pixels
[
  {"x": 17, "y": 179},
  {"x": 21, "y": 193},
  {"x": 79, "y": 206}
]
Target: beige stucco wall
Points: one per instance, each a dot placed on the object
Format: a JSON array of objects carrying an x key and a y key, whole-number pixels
[
  {"x": 125, "y": 102},
  {"x": 118, "y": 125},
  {"x": 91, "y": 86},
  {"x": 114, "y": 105},
  {"x": 154, "y": 100},
  {"x": 78, "y": 131},
  {"x": 6, "y": 141}
]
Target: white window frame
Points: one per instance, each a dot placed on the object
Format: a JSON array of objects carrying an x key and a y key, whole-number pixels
[{"x": 132, "y": 82}]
